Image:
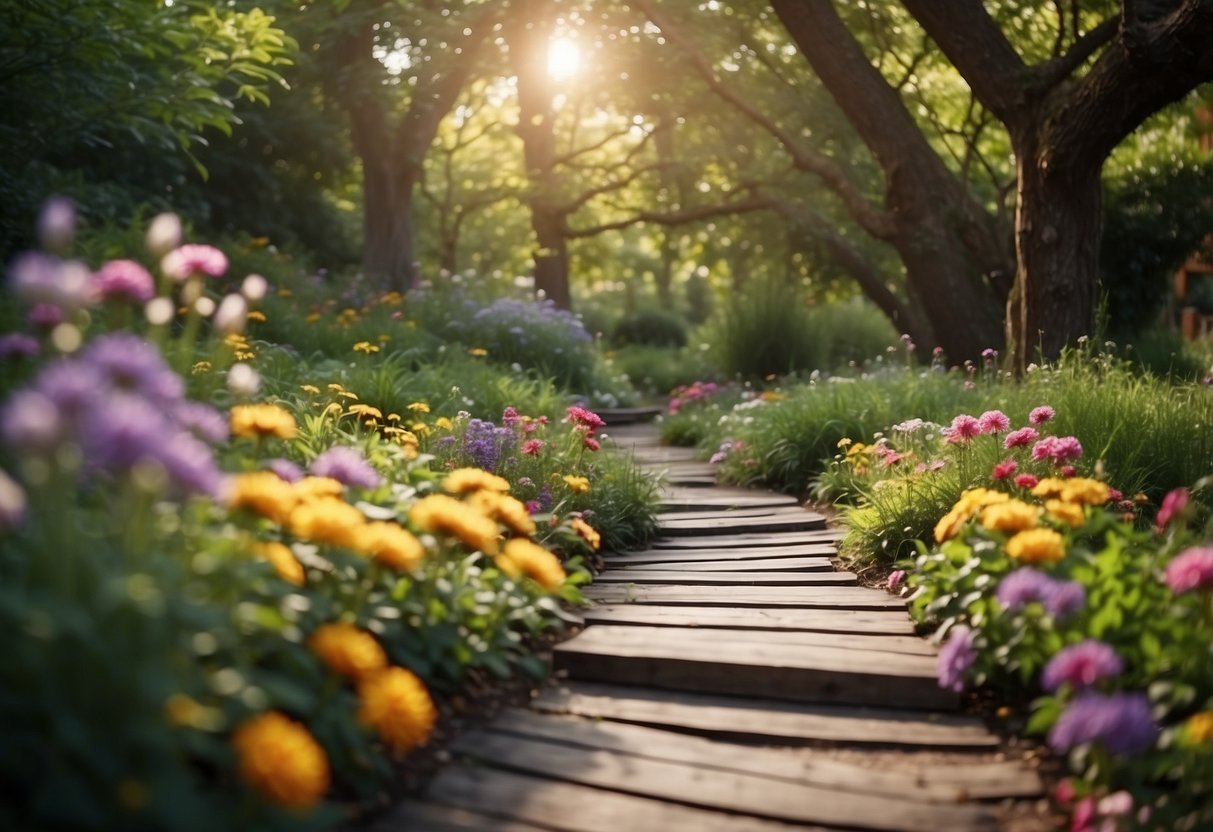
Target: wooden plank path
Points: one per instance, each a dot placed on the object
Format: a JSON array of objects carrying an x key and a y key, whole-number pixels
[{"x": 729, "y": 679}]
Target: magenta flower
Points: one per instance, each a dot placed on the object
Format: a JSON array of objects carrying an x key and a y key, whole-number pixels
[
  {"x": 993, "y": 421},
  {"x": 1173, "y": 505},
  {"x": 347, "y": 466},
  {"x": 896, "y": 578},
  {"x": 1191, "y": 569},
  {"x": 964, "y": 427},
  {"x": 124, "y": 280},
  {"x": 1121, "y": 722},
  {"x": 532, "y": 447},
  {"x": 1081, "y": 665},
  {"x": 193, "y": 260},
  {"x": 592, "y": 443},
  {"x": 1026, "y": 481},
  {"x": 1004, "y": 469},
  {"x": 1066, "y": 447},
  {"x": 1020, "y": 438},
  {"x": 1042, "y": 414},
  {"x": 510, "y": 416},
  {"x": 955, "y": 658},
  {"x": 583, "y": 418}
]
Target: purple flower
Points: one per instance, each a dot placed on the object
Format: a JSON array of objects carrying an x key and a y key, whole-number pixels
[
  {"x": 1027, "y": 586},
  {"x": 192, "y": 260},
  {"x": 74, "y": 388},
  {"x": 130, "y": 363},
  {"x": 286, "y": 470},
  {"x": 1067, "y": 598},
  {"x": 955, "y": 658},
  {"x": 123, "y": 431},
  {"x": 40, "y": 279},
  {"x": 124, "y": 280},
  {"x": 1121, "y": 722},
  {"x": 1020, "y": 438},
  {"x": 57, "y": 223},
  {"x": 31, "y": 421},
  {"x": 482, "y": 443},
  {"x": 1191, "y": 569},
  {"x": 44, "y": 315},
  {"x": 993, "y": 421},
  {"x": 13, "y": 505},
  {"x": 190, "y": 465},
  {"x": 1081, "y": 665},
  {"x": 16, "y": 345},
  {"x": 347, "y": 466},
  {"x": 202, "y": 420},
  {"x": 1042, "y": 414}
]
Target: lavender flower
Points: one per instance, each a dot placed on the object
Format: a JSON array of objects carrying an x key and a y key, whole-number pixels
[
  {"x": 190, "y": 465},
  {"x": 31, "y": 421},
  {"x": 16, "y": 345},
  {"x": 124, "y": 430},
  {"x": 57, "y": 223},
  {"x": 1121, "y": 722},
  {"x": 347, "y": 466},
  {"x": 955, "y": 658},
  {"x": 128, "y": 362},
  {"x": 286, "y": 470},
  {"x": 482, "y": 443},
  {"x": 1081, "y": 665},
  {"x": 40, "y": 279},
  {"x": 202, "y": 420},
  {"x": 1027, "y": 585},
  {"x": 1067, "y": 598}
]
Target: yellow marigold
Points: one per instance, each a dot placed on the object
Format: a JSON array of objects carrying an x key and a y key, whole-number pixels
[
  {"x": 478, "y": 352},
  {"x": 309, "y": 388},
  {"x": 444, "y": 423},
  {"x": 440, "y": 513},
  {"x": 282, "y": 559},
  {"x": 951, "y": 523},
  {"x": 463, "y": 480},
  {"x": 397, "y": 706},
  {"x": 265, "y": 493},
  {"x": 279, "y": 758},
  {"x": 505, "y": 510},
  {"x": 587, "y": 532},
  {"x": 390, "y": 544},
  {"x": 1049, "y": 487},
  {"x": 256, "y": 315},
  {"x": 327, "y": 520},
  {"x": 1037, "y": 546},
  {"x": 978, "y": 498},
  {"x": 578, "y": 485},
  {"x": 1199, "y": 727},
  {"x": 1011, "y": 516},
  {"x": 347, "y": 650},
  {"x": 254, "y": 421},
  {"x": 522, "y": 557},
  {"x": 310, "y": 488},
  {"x": 365, "y": 410},
  {"x": 419, "y": 407},
  {"x": 366, "y": 347},
  {"x": 1085, "y": 490},
  {"x": 421, "y": 429},
  {"x": 1071, "y": 514},
  {"x": 200, "y": 368}
]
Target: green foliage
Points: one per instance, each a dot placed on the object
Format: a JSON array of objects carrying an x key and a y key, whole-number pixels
[
  {"x": 658, "y": 370},
  {"x": 650, "y": 327}
]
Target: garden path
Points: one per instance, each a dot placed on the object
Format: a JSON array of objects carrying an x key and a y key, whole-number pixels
[{"x": 729, "y": 678}]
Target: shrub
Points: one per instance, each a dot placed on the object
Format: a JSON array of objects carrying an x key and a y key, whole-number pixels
[{"x": 651, "y": 327}]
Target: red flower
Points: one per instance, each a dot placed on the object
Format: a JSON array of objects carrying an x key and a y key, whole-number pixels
[
  {"x": 1004, "y": 469},
  {"x": 1026, "y": 481}
]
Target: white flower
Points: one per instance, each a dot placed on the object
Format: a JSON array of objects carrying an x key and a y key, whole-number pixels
[
  {"x": 163, "y": 235},
  {"x": 243, "y": 380}
]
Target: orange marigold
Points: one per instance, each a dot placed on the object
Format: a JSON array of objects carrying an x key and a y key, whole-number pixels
[
  {"x": 279, "y": 758},
  {"x": 390, "y": 544},
  {"x": 263, "y": 492},
  {"x": 254, "y": 421},
  {"x": 587, "y": 532},
  {"x": 1072, "y": 514},
  {"x": 395, "y": 703},
  {"x": 1085, "y": 490},
  {"x": 504, "y": 509},
  {"x": 1037, "y": 546},
  {"x": 282, "y": 559},
  {"x": 1011, "y": 516},
  {"x": 522, "y": 557},
  {"x": 311, "y": 487},
  {"x": 347, "y": 650},
  {"x": 578, "y": 485},
  {"x": 440, "y": 513},
  {"x": 327, "y": 520},
  {"x": 463, "y": 480},
  {"x": 1199, "y": 727}
]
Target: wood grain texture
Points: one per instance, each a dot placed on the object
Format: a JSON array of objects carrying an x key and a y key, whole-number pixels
[{"x": 888, "y": 622}]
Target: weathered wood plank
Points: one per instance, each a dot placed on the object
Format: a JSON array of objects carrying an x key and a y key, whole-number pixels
[
  {"x": 668, "y": 564},
  {"x": 727, "y": 639},
  {"x": 748, "y": 539},
  {"x": 729, "y": 791},
  {"x": 890, "y": 622},
  {"x": 853, "y": 598},
  {"x": 727, "y": 525},
  {"x": 654, "y": 577},
  {"x": 900, "y": 778},
  {"x": 569, "y": 807},
  {"x": 820, "y": 549},
  {"x": 711, "y": 500},
  {"x": 431, "y": 817},
  {"x": 614, "y": 416},
  {"x": 767, "y": 720},
  {"x": 792, "y": 672},
  {"x": 706, "y": 515}
]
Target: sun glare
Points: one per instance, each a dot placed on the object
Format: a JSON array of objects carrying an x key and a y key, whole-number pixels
[{"x": 564, "y": 59}]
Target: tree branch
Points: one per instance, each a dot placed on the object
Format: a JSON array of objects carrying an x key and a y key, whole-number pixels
[
  {"x": 758, "y": 202},
  {"x": 1052, "y": 72}
]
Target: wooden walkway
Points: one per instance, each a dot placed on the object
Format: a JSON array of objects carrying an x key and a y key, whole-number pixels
[{"x": 729, "y": 678}]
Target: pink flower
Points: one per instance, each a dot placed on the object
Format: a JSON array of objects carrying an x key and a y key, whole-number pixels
[
  {"x": 1068, "y": 471},
  {"x": 938, "y": 464},
  {"x": 993, "y": 421},
  {"x": 592, "y": 443},
  {"x": 509, "y": 416},
  {"x": 1020, "y": 438},
  {"x": 1026, "y": 481},
  {"x": 1191, "y": 569},
  {"x": 124, "y": 280},
  {"x": 584, "y": 418},
  {"x": 1042, "y": 414},
  {"x": 1173, "y": 506},
  {"x": 192, "y": 260},
  {"x": 532, "y": 447},
  {"x": 1004, "y": 469},
  {"x": 1081, "y": 665},
  {"x": 895, "y": 579},
  {"x": 533, "y": 507},
  {"x": 964, "y": 427},
  {"x": 1067, "y": 447}
]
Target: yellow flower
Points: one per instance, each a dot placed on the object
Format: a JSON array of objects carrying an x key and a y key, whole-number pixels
[
  {"x": 390, "y": 544},
  {"x": 522, "y": 557},
  {"x": 846, "y": 440},
  {"x": 1049, "y": 487},
  {"x": 1085, "y": 490},
  {"x": 1037, "y": 546},
  {"x": 200, "y": 368},
  {"x": 463, "y": 480},
  {"x": 254, "y": 421},
  {"x": 397, "y": 706},
  {"x": 279, "y": 758},
  {"x": 440, "y": 513},
  {"x": 419, "y": 407},
  {"x": 265, "y": 493},
  {"x": 421, "y": 429},
  {"x": 366, "y": 347},
  {"x": 347, "y": 650},
  {"x": 478, "y": 352},
  {"x": 282, "y": 559},
  {"x": 444, "y": 423},
  {"x": 1071, "y": 514},
  {"x": 327, "y": 520},
  {"x": 578, "y": 485},
  {"x": 310, "y": 488},
  {"x": 1199, "y": 727},
  {"x": 365, "y": 410},
  {"x": 256, "y": 315},
  {"x": 309, "y": 388},
  {"x": 346, "y": 394},
  {"x": 505, "y": 510},
  {"x": 588, "y": 532},
  {"x": 1011, "y": 516},
  {"x": 335, "y": 387},
  {"x": 312, "y": 317},
  {"x": 951, "y": 523},
  {"x": 979, "y": 498}
]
